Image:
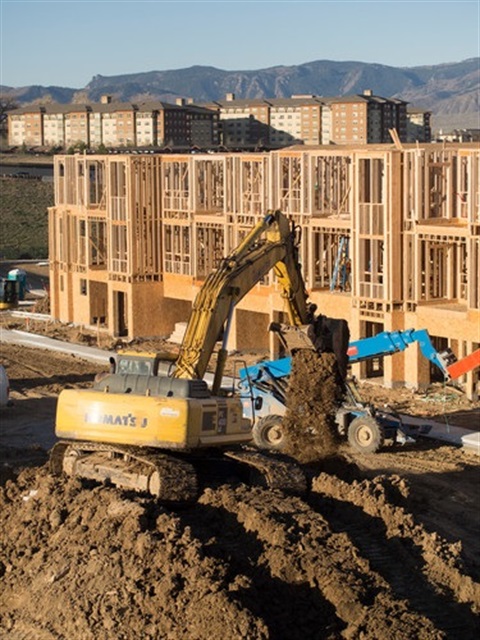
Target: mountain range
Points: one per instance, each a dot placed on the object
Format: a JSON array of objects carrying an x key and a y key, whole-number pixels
[{"x": 450, "y": 91}]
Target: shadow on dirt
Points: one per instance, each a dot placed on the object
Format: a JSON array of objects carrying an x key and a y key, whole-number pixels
[
  {"x": 400, "y": 562},
  {"x": 23, "y": 409},
  {"x": 278, "y": 601},
  {"x": 15, "y": 459},
  {"x": 59, "y": 382},
  {"x": 28, "y": 423}
]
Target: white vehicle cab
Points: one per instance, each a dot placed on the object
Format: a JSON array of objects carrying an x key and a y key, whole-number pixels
[{"x": 4, "y": 387}]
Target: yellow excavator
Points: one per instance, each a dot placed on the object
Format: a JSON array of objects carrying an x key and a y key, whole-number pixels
[{"x": 154, "y": 433}]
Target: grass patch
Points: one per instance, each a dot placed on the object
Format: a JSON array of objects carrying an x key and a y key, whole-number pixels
[{"x": 24, "y": 218}]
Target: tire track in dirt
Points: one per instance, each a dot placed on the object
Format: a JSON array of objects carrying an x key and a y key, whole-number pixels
[
  {"x": 43, "y": 372},
  {"x": 419, "y": 566},
  {"x": 299, "y": 547},
  {"x": 441, "y": 490},
  {"x": 290, "y": 606}
]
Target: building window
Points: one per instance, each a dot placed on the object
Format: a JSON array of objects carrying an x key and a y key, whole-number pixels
[{"x": 83, "y": 287}]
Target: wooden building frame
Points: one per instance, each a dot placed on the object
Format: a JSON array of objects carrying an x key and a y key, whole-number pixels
[{"x": 132, "y": 237}]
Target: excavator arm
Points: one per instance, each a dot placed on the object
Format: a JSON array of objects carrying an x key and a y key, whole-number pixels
[{"x": 271, "y": 244}]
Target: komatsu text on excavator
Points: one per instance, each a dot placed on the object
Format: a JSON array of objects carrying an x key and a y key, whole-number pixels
[{"x": 152, "y": 432}]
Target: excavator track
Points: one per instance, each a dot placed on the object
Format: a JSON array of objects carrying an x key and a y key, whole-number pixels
[
  {"x": 170, "y": 478},
  {"x": 166, "y": 477},
  {"x": 273, "y": 471}
]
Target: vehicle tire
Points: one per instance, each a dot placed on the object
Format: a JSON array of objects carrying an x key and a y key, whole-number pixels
[
  {"x": 268, "y": 433},
  {"x": 365, "y": 434}
]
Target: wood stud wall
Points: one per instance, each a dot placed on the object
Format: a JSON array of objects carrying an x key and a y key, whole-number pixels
[{"x": 411, "y": 218}]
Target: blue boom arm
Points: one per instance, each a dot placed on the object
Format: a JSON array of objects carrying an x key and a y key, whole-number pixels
[
  {"x": 383, "y": 344},
  {"x": 390, "y": 342}
]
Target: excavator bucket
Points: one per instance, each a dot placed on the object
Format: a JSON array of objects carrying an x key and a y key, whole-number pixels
[
  {"x": 295, "y": 338},
  {"x": 325, "y": 335}
]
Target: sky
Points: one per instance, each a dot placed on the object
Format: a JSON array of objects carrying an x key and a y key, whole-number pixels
[{"x": 66, "y": 43}]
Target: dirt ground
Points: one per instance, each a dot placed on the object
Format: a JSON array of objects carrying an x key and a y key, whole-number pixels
[{"x": 383, "y": 546}]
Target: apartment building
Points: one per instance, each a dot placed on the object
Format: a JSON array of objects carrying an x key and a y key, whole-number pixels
[
  {"x": 53, "y": 129},
  {"x": 273, "y": 122},
  {"x": 132, "y": 238},
  {"x": 310, "y": 120},
  {"x": 242, "y": 123},
  {"x": 234, "y": 124},
  {"x": 295, "y": 120},
  {"x": 419, "y": 125},
  {"x": 25, "y": 126},
  {"x": 366, "y": 119},
  {"x": 113, "y": 124}
]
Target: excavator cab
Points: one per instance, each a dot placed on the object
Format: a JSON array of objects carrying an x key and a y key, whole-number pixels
[
  {"x": 144, "y": 363},
  {"x": 138, "y": 363}
]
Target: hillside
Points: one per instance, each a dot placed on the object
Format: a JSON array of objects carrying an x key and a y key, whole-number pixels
[
  {"x": 450, "y": 91},
  {"x": 24, "y": 226}
]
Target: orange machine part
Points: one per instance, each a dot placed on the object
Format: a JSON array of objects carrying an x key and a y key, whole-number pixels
[{"x": 464, "y": 365}]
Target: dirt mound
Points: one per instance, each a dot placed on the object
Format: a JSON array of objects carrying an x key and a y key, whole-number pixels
[
  {"x": 384, "y": 546},
  {"x": 315, "y": 391},
  {"x": 98, "y": 564},
  {"x": 92, "y": 562}
]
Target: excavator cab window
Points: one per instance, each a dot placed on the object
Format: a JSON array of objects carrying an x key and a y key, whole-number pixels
[
  {"x": 134, "y": 367},
  {"x": 142, "y": 369}
]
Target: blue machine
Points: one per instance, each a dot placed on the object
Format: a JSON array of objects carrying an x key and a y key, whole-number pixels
[{"x": 263, "y": 389}]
